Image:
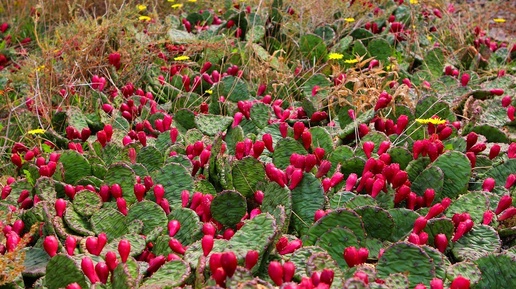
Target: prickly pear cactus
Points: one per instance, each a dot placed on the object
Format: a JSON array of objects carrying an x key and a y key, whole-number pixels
[
  {"x": 212, "y": 124},
  {"x": 340, "y": 217},
  {"x": 191, "y": 226},
  {"x": 307, "y": 198},
  {"x": 457, "y": 171},
  {"x": 122, "y": 174},
  {"x": 334, "y": 241},
  {"x": 75, "y": 166},
  {"x": 175, "y": 178},
  {"x": 228, "y": 207},
  {"x": 480, "y": 241},
  {"x": 408, "y": 259},
  {"x": 60, "y": 264},
  {"x": 86, "y": 203},
  {"x": 247, "y": 173},
  {"x": 109, "y": 221},
  {"x": 170, "y": 275},
  {"x": 498, "y": 271},
  {"x": 378, "y": 222},
  {"x": 284, "y": 149},
  {"x": 150, "y": 213}
]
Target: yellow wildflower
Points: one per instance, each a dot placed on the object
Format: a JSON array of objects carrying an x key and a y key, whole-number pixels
[
  {"x": 208, "y": 91},
  {"x": 413, "y": 2},
  {"x": 334, "y": 55},
  {"x": 176, "y": 6},
  {"x": 192, "y": 1},
  {"x": 171, "y": 0},
  {"x": 499, "y": 20},
  {"x": 182, "y": 57},
  {"x": 41, "y": 67},
  {"x": 349, "y": 19},
  {"x": 429, "y": 37},
  {"x": 433, "y": 120},
  {"x": 36, "y": 131},
  {"x": 144, "y": 18},
  {"x": 351, "y": 61},
  {"x": 141, "y": 7}
]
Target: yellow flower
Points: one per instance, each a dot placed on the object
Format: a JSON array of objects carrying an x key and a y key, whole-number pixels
[
  {"x": 349, "y": 19},
  {"x": 429, "y": 38},
  {"x": 334, "y": 55},
  {"x": 41, "y": 67},
  {"x": 182, "y": 57},
  {"x": 208, "y": 91},
  {"x": 192, "y": 0},
  {"x": 171, "y": 0},
  {"x": 36, "y": 131},
  {"x": 144, "y": 18},
  {"x": 499, "y": 20},
  {"x": 351, "y": 61},
  {"x": 413, "y": 2},
  {"x": 176, "y": 6},
  {"x": 141, "y": 7},
  {"x": 433, "y": 120}
]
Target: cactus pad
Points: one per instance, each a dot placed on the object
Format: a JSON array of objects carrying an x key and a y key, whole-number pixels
[
  {"x": 174, "y": 178},
  {"x": 86, "y": 203},
  {"x": 378, "y": 222},
  {"x": 109, "y": 221},
  {"x": 150, "y": 157},
  {"x": 191, "y": 226},
  {"x": 432, "y": 177},
  {"x": 275, "y": 196},
  {"x": 475, "y": 203},
  {"x": 228, "y": 207},
  {"x": 260, "y": 114},
  {"x": 77, "y": 223},
  {"x": 151, "y": 214},
  {"x": 465, "y": 269},
  {"x": 335, "y": 240},
  {"x": 211, "y": 124},
  {"x": 123, "y": 175},
  {"x": 408, "y": 259},
  {"x": 301, "y": 256},
  {"x": 478, "y": 242},
  {"x": 256, "y": 234},
  {"x": 345, "y": 217},
  {"x": 170, "y": 275},
  {"x": 457, "y": 170},
  {"x": 284, "y": 149},
  {"x": 498, "y": 271},
  {"x": 247, "y": 173},
  {"x": 307, "y": 198},
  {"x": 75, "y": 166},
  {"x": 59, "y": 264}
]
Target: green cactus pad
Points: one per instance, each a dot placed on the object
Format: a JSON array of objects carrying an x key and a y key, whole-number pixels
[
  {"x": 335, "y": 240},
  {"x": 430, "y": 178},
  {"x": 307, "y": 198},
  {"x": 234, "y": 135},
  {"x": 109, "y": 221},
  {"x": 275, "y": 196},
  {"x": 174, "y": 178},
  {"x": 45, "y": 189},
  {"x": 233, "y": 88},
  {"x": 301, "y": 256},
  {"x": 346, "y": 217},
  {"x": 416, "y": 167},
  {"x": 378, "y": 222},
  {"x": 75, "y": 166},
  {"x": 338, "y": 155},
  {"x": 374, "y": 136},
  {"x": 181, "y": 160},
  {"x": 86, "y": 203},
  {"x": 122, "y": 277},
  {"x": 191, "y": 226},
  {"x": 397, "y": 280},
  {"x": 205, "y": 187},
  {"x": 211, "y": 124},
  {"x": 247, "y": 173},
  {"x": 138, "y": 243},
  {"x": 284, "y": 149},
  {"x": 355, "y": 283},
  {"x": 478, "y": 242},
  {"x": 359, "y": 201},
  {"x": 150, "y": 213},
  {"x": 319, "y": 261},
  {"x": 185, "y": 118},
  {"x": 170, "y": 275},
  {"x": 352, "y": 165},
  {"x": 55, "y": 278},
  {"x": 498, "y": 271},
  {"x": 123, "y": 175},
  {"x": 35, "y": 263},
  {"x": 501, "y": 171},
  {"x": 77, "y": 223},
  {"x": 404, "y": 222},
  {"x": 400, "y": 155},
  {"x": 474, "y": 203},
  {"x": 228, "y": 207},
  {"x": 441, "y": 262},
  {"x": 135, "y": 227},
  {"x": 343, "y": 117},
  {"x": 90, "y": 180},
  {"x": 457, "y": 171},
  {"x": 256, "y": 234},
  {"x": 241, "y": 275},
  {"x": 342, "y": 198},
  {"x": 322, "y": 138},
  {"x": 439, "y": 226},
  {"x": 161, "y": 246},
  {"x": 194, "y": 251},
  {"x": 465, "y": 269},
  {"x": 349, "y": 129},
  {"x": 492, "y": 134},
  {"x": 260, "y": 114},
  {"x": 150, "y": 157},
  {"x": 408, "y": 259}
]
